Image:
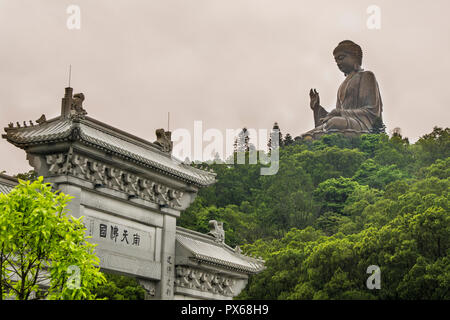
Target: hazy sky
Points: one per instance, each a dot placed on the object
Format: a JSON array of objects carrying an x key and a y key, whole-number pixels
[{"x": 229, "y": 63}]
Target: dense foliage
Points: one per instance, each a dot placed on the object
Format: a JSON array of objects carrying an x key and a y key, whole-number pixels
[
  {"x": 119, "y": 287},
  {"x": 41, "y": 246},
  {"x": 335, "y": 207}
]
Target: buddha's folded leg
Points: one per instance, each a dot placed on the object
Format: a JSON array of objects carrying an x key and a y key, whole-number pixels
[
  {"x": 319, "y": 113},
  {"x": 311, "y": 133},
  {"x": 342, "y": 123}
]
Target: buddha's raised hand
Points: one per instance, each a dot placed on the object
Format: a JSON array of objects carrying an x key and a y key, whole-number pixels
[{"x": 314, "y": 99}]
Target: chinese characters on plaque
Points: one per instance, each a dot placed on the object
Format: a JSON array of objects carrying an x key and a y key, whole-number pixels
[
  {"x": 169, "y": 275},
  {"x": 119, "y": 235}
]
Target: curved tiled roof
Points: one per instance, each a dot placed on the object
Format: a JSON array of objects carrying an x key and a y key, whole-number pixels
[
  {"x": 7, "y": 183},
  {"x": 144, "y": 155},
  {"x": 51, "y": 131},
  {"x": 102, "y": 136},
  {"x": 5, "y": 188},
  {"x": 204, "y": 249}
]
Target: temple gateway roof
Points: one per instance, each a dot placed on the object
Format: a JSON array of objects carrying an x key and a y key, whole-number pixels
[
  {"x": 205, "y": 249},
  {"x": 123, "y": 180},
  {"x": 99, "y": 135},
  {"x": 7, "y": 183}
]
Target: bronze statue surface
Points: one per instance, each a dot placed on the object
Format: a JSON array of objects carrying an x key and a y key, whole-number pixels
[{"x": 358, "y": 99}]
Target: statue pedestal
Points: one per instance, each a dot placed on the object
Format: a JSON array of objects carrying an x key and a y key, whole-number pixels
[{"x": 350, "y": 133}]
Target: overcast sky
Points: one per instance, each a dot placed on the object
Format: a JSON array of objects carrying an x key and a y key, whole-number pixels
[{"x": 228, "y": 63}]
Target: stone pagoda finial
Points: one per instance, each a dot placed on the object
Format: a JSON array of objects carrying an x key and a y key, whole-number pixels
[
  {"x": 66, "y": 102},
  {"x": 72, "y": 105}
]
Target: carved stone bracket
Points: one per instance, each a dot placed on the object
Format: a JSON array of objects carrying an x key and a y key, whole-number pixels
[
  {"x": 117, "y": 179},
  {"x": 149, "y": 287},
  {"x": 192, "y": 278}
]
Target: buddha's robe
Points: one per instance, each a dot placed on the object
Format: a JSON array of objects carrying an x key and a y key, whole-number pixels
[{"x": 359, "y": 101}]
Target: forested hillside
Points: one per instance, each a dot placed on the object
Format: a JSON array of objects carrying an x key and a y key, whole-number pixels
[{"x": 335, "y": 207}]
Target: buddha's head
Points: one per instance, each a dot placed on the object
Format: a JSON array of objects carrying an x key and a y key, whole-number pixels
[{"x": 348, "y": 56}]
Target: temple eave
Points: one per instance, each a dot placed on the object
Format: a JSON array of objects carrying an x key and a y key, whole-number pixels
[
  {"x": 75, "y": 131},
  {"x": 225, "y": 264}
]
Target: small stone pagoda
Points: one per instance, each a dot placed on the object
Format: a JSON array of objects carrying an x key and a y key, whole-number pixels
[{"x": 131, "y": 192}]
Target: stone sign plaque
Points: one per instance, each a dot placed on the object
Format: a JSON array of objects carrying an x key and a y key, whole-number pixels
[{"x": 119, "y": 235}]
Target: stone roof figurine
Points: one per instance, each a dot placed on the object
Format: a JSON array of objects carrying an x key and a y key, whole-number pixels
[
  {"x": 41, "y": 120},
  {"x": 216, "y": 230},
  {"x": 77, "y": 104},
  {"x": 358, "y": 103},
  {"x": 163, "y": 140}
]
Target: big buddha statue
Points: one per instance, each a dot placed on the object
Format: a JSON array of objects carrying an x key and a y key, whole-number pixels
[{"x": 358, "y": 103}]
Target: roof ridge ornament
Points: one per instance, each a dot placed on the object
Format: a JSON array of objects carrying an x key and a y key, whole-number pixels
[
  {"x": 11, "y": 125},
  {"x": 72, "y": 105},
  {"x": 216, "y": 230},
  {"x": 41, "y": 120},
  {"x": 164, "y": 140},
  {"x": 77, "y": 104}
]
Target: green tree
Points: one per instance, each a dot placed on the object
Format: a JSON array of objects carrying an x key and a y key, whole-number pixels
[
  {"x": 354, "y": 202},
  {"x": 433, "y": 146},
  {"x": 378, "y": 126},
  {"x": 119, "y": 287},
  {"x": 333, "y": 193},
  {"x": 276, "y": 138},
  {"x": 284, "y": 199},
  {"x": 241, "y": 143},
  {"x": 40, "y": 244},
  {"x": 288, "y": 140},
  {"x": 336, "y": 140},
  {"x": 439, "y": 169},
  {"x": 30, "y": 175},
  {"x": 371, "y": 142},
  {"x": 376, "y": 176},
  {"x": 330, "y": 162}
]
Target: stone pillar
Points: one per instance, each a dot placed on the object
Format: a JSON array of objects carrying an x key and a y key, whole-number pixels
[
  {"x": 66, "y": 102},
  {"x": 165, "y": 288}
]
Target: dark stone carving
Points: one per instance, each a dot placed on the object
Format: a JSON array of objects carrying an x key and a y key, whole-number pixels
[
  {"x": 25, "y": 125},
  {"x": 77, "y": 104},
  {"x": 192, "y": 278},
  {"x": 149, "y": 287},
  {"x": 358, "y": 100},
  {"x": 163, "y": 140},
  {"x": 102, "y": 175},
  {"x": 41, "y": 120}
]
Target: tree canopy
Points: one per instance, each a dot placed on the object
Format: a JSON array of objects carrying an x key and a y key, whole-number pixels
[
  {"x": 43, "y": 251},
  {"x": 337, "y": 206}
]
